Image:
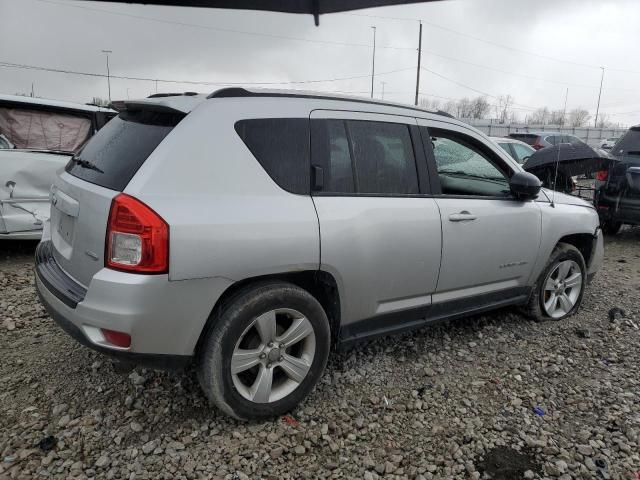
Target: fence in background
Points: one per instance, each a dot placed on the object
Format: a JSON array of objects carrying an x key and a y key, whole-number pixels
[{"x": 592, "y": 136}]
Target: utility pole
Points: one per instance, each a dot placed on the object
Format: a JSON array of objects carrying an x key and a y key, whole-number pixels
[
  {"x": 595, "y": 124},
  {"x": 107, "y": 52},
  {"x": 419, "y": 58},
  {"x": 32, "y": 94},
  {"x": 564, "y": 111},
  {"x": 383, "y": 84},
  {"x": 373, "y": 60}
]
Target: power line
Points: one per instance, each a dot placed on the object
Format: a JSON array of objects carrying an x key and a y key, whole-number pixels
[
  {"x": 225, "y": 30},
  {"x": 340, "y": 43},
  {"x": 473, "y": 37},
  {"x": 192, "y": 82}
]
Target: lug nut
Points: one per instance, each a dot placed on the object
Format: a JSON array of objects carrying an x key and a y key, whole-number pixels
[
  {"x": 270, "y": 344},
  {"x": 268, "y": 365},
  {"x": 262, "y": 355},
  {"x": 280, "y": 359}
]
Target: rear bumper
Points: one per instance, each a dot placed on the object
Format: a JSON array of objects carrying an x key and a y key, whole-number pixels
[{"x": 163, "y": 318}]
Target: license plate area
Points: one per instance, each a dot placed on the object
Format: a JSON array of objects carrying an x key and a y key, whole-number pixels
[{"x": 65, "y": 227}]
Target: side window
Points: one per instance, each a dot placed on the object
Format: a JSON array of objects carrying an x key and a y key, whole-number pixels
[
  {"x": 383, "y": 157},
  {"x": 552, "y": 139},
  {"x": 330, "y": 151},
  {"x": 464, "y": 168},
  {"x": 281, "y": 145},
  {"x": 364, "y": 157}
]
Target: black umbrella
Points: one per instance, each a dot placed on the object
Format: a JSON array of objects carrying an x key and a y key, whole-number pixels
[
  {"x": 313, "y": 7},
  {"x": 571, "y": 159}
]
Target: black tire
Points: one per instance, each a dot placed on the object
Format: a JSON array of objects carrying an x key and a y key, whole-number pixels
[
  {"x": 611, "y": 227},
  {"x": 229, "y": 323},
  {"x": 535, "y": 306}
]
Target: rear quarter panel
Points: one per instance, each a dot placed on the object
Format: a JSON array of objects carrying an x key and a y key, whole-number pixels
[{"x": 227, "y": 217}]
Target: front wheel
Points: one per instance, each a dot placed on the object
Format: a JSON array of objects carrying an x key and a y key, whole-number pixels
[
  {"x": 558, "y": 292},
  {"x": 266, "y": 350}
]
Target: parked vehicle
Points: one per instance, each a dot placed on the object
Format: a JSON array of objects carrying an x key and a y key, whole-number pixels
[
  {"x": 37, "y": 137},
  {"x": 609, "y": 143},
  {"x": 539, "y": 140},
  {"x": 519, "y": 151},
  {"x": 249, "y": 231},
  {"x": 617, "y": 189}
]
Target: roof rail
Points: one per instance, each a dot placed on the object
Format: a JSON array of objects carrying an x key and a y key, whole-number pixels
[
  {"x": 160, "y": 95},
  {"x": 231, "y": 92}
]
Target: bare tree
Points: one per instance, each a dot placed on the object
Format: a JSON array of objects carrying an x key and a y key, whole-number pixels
[
  {"x": 502, "y": 107},
  {"x": 450, "y": 107},
  {"x": 578, "y": 117},
  {"x": 427, "y": 104},
  {"x": 604, "y": 121},
  {"x": 480, "y": 107},
  {"x": 539, "y": 117},
  {"x": 557, "y": 117},
  {"x": 100, "y": 102}
]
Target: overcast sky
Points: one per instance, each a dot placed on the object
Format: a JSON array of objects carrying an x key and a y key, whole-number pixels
[{"x": 530, "y": 50}]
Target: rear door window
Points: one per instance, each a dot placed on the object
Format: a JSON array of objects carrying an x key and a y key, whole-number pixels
[
  {"x": 368, "y": 157},
  {"x": 281, "y": 146},
  {"x": 113, "y": 155}
]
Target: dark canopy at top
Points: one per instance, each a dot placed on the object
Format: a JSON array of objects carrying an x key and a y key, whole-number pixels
[{"x": 313, "y": 7}]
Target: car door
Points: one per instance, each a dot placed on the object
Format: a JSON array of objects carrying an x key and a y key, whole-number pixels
[
  {"x": 380, "y": 232},
  {"x": 490, "y": 240},
  {"x": 26, "y": 178}
]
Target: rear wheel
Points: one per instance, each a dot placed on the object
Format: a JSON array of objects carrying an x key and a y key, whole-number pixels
[
  {"x": 560, "y": 287},
  {"x": 267, "y": 348},
  {"x": 611, "y": 227}
]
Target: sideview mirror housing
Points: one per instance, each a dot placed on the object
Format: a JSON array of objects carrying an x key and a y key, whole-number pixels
[{"x": 525, "y": 186}]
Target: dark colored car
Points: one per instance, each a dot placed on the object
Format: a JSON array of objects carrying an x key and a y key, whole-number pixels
[
  {"x": 539, "y": 140},
  {"x": 617, "y": 190}
]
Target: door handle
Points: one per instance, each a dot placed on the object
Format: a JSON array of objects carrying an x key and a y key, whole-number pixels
[{"x": 463, "y": 216}]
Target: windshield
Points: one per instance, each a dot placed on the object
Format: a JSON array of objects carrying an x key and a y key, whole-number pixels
[{"x": 32, "y": 129}]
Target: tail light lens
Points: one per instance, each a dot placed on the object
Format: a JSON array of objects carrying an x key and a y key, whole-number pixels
[
  {"x": 602, "y": 175},
  {"x": 137, "y": 237}
]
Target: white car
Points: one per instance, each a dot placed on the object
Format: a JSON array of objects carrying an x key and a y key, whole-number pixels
[
  {"x": 37, "y": 137},
  {"x": 518, "y": 150},
  {"x": 609, "y": 143}
]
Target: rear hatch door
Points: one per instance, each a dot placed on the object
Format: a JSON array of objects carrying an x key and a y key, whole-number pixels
[{"x": 81, "y": 196}]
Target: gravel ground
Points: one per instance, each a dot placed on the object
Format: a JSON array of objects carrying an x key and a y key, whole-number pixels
[{"x": 492, "y": 396}]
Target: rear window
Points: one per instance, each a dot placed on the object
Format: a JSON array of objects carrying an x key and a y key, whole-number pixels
[
  {"x": 113, "y": 156},
  {"x": 527, "y": 138},
  {"x": 629, "y": 143},
  {"x": 281, "y": 146}
]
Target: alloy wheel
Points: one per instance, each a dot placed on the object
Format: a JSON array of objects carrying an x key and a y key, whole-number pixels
[
  {"x": 273, "y": 355},
  {"x": 562, "y": 288}
]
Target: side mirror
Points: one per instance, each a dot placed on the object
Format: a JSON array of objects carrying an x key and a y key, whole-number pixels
[{"x": 525, "y": 186}]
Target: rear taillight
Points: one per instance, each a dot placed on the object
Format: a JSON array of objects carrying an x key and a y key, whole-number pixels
[
  {"x": 602, "y": 175},
  {"x": 137, "y": 237}
]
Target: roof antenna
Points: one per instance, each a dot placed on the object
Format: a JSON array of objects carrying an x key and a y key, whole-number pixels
[{"x": 555, "y": 176}]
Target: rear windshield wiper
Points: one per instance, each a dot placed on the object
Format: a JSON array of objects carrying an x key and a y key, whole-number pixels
[{"x": 86, "y": 164}]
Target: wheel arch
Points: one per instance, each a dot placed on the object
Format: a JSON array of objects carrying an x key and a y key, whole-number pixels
[
  {"x": 583, "y": 242},
  {"x": 320, "y": 284}
]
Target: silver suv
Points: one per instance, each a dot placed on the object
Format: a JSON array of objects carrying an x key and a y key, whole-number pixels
[{"x": 250, "y": 231}]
